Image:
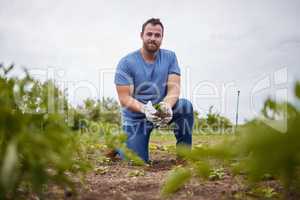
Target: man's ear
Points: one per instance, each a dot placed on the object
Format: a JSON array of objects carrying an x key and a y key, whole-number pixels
[{"x": 141, "y": 35}]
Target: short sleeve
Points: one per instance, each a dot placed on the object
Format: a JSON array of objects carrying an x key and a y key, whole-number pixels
[
  {"x": 123, "y": 75},
  {"x": 174, "y": 68}
]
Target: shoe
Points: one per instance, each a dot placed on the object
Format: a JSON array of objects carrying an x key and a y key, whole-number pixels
[
  {"x": 180, "y": 161},
  {"x": 112, "y": 154}
]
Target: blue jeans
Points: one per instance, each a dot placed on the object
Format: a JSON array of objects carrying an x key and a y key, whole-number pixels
[{"x": 138, "y": 135}]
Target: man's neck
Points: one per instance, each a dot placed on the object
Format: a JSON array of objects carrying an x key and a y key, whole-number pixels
[{"x": 148, "y": 56}]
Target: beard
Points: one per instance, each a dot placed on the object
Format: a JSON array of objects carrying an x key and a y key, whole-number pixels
[{"x": 151, "y": 47}]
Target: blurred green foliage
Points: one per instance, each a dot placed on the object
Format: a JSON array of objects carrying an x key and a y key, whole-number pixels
[
  {"x": 176, "y": 179},
  {"x": 105, "y": 111},
  {"x": 266, "y": 145},
  {"x": 213, "y": 122},
  {"x": 36, "y": 147}
]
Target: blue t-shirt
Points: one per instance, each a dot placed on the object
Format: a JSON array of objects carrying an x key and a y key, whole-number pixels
[{"x": 149, "y": 80}]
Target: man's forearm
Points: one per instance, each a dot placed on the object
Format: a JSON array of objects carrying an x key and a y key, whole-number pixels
[
  {"x": 171, "y": 99},
  {"x": 131, "y": 103},
  {"x": 173, "y": 91},
  {"x": 172, "y": 95}
]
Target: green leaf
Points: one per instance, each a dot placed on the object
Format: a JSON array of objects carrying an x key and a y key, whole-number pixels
[
  {"x": 9, "y": 164},
  {"x": 157, "y": 107},
  {"x": 202, "y": 169},
  {"x": 297, "y": 90},
  {"x": 132, "y": 157},
  {"x": 177, "y": 178}
]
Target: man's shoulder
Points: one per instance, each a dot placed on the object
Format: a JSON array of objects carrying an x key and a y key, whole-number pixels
[
  {"x": 167, "y": 53},
  {"x": 130, "y": 57}
]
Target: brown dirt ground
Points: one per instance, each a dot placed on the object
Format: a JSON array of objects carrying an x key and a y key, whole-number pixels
[
  {"x": 120, "y": 181},
  {"x": 116, "y": 183}
]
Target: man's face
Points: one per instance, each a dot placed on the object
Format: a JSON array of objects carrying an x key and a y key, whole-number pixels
[{"x": 152, "y": 37}]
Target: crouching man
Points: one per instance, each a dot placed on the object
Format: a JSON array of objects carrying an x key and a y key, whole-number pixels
[{"x": 146, "y": 77}]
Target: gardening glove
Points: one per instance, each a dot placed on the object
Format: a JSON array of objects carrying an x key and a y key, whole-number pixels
[
  {"x": 150, "y": 111},
  {"x": 166, "y": 109}
]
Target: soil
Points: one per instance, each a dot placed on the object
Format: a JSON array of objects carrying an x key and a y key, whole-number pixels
[
  {"x": 120, "y": 181},
  {"x": 162, "y": 115}
]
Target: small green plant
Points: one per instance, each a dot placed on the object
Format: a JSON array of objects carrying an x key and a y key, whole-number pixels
[
  {"x": 101, "y": 170},
  {"x": 157, "y": 107},
  {"x": 264, "y": 192},
  {"x": 160, "y": 113},
  {"x": 136, "y": 173},
  {"x": 118, "y": 142},
  {"x": 104, "y": 160},
  {"x": 269, "y": 192},
  {"x": 153, "y": 147},
  {"x": 216, "y": 174}
]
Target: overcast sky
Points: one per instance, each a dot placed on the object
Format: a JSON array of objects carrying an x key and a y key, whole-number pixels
[{"x": 251, "y": 46}]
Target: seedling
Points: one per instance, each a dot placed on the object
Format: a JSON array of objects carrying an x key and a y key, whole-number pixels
[
  {"x": 160, "y": 113},
  {"x": 101, "y": 170},
  {"x": 217, "y": 174},
  {"x": 136, "y": 173}
]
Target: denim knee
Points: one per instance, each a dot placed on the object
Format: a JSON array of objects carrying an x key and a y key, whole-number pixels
[{"x": 183, "y": 106}]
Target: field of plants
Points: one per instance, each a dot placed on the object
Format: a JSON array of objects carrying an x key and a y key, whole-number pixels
[{"x": 52, "y": 150}]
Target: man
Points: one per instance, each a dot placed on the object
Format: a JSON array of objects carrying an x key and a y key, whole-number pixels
[{"x": 146, "y": 77}]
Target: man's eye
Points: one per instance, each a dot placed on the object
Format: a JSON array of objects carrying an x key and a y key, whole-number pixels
[
  {"x": 149, "y": 34},
  {"x": 157, "y": 35}
]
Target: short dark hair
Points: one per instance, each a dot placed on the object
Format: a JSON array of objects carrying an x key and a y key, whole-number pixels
[{"x": 153, "y": 21}]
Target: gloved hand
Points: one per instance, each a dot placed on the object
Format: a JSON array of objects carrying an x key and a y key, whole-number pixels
[
  {"x": 150, "y": 112},
  {"x": 167, "y": 112}
]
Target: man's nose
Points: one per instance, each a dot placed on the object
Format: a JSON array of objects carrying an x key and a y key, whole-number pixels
[{"x": 152, "y": 37}]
